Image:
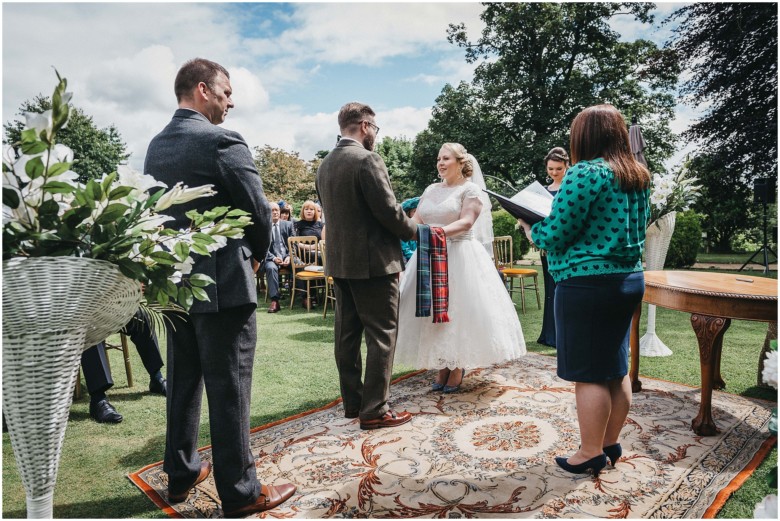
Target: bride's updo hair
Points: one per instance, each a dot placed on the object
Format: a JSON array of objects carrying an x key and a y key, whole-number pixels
[
  {"x": 557, "y": 154},
  {"x": 459, "y": 151}
]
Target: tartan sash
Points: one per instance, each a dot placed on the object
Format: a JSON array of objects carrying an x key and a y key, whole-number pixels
[{"x": 432, "y": 280}]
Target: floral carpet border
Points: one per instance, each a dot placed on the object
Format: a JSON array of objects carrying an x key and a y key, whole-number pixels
[
  {"x": 157, "y": 499},
  {"x": 671, "y": 472}
]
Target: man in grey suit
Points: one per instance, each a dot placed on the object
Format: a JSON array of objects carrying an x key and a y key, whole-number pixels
[
  {"x": 277, "y": 256},
  {"x": 215, "y": 344},
  {"x": 365, "y": 223}
]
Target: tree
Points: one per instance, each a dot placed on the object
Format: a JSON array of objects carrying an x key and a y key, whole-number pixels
[
  {"x": 285, "y": 175},
  {"x": 98, "y": 150},
  {"x": 542, "y": 64},
  {"x": 723, "y": 201},
  {"x": 397, "y": 155},
  {"x": 730, "y": 49}
]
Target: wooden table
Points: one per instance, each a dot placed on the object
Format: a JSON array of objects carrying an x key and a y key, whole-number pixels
[{"x": 713, "y": 300}]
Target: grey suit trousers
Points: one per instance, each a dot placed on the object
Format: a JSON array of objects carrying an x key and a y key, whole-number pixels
[
  {"x": 369, "y": 305},
  {"x": 215, "y": 349}
]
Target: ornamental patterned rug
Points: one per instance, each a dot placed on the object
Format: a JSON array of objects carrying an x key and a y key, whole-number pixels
[{"x": 488, "y": 452}]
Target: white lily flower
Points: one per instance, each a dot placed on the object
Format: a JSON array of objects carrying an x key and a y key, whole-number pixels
[
  {"x": 180, "y": 194},
  {"x": 9, "y": 156},
  {"x": 214, "y": 246},
  {"x": 152, "y": 223},
  {"x": 139, "y": 181},
  {"x": 182, "y": 268},
  {"x": 39, "y": 121},
  {"x": 62, "y": 154}
]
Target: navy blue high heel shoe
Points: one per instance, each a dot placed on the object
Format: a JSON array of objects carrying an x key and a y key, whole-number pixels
[
  {"x": 436, "y": 387},
  {"x": 448, "y": 389},
  {"x": 593, "y": 464},
  {"x": 613, "y": 452}
]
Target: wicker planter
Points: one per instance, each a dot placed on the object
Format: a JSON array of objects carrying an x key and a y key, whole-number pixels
[
  {"x": 53, "y": 308},
  {"x": 657, "y": 239}
]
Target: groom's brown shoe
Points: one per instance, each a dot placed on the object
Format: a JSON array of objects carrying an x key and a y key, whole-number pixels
[
  {"x": 205, "y": 470},
  {"x": 389, "y": 419},
  {"x": 271, "y": 496}
]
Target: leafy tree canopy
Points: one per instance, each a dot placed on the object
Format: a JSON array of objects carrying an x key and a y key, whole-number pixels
[
  {"x": 98, "y": 150},
  {"x": 730, "y": 49},
  {"x": 285, "y": 175},
  {"x": 542, "y": 63},
  {"x": 397, "y": 155}
]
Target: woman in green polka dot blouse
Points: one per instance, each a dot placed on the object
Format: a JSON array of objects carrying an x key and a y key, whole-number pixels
[{"x": 594, "y": 239}]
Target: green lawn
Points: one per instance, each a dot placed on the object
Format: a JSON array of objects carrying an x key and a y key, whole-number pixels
[
  {"x": 295, "y": 372},
  {"x": 734, "y": 258}
]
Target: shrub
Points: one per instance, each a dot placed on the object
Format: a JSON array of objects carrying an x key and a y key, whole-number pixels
[
  {"x": 686, "y": 241},
  {"x": 505, "y": 224}
]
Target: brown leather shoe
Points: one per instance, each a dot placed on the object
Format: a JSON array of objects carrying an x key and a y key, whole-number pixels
[
  {"x": 271, "y": 496},
  {"x": 390, "y": 419},
  {"x": 274, "y": 306},
  {"x": 205, "y": 470}
]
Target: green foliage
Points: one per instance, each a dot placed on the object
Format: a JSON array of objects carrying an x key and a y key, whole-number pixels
[
  {"x": 730, "y": 52},
  {"x": 505, "y": 224},
  {"x": 541, "y": 64},
  {"x": 686, "y": 241},
  {"x": 725, "y": 201},
  {"x": 117, "y": 218},
  {"x": 99, "y": 150},
  {"x": 285, "y": 175},
  {"x": 397, "y": 155}
]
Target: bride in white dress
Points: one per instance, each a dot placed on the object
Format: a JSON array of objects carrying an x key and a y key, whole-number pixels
[{"x": 483, "y": 329}]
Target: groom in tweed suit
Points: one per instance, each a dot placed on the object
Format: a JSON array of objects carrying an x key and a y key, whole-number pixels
[
  {"x": 215, "y": 344},
  {"x": 365, "y": 225}
]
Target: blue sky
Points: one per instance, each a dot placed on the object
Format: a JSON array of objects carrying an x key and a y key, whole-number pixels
[{"x": 292, "y": 64}]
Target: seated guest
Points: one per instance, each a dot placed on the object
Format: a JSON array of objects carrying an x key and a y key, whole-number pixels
[
  {"x": 310, "y": 223},
  {"x": 277, "y": 256},
  {"x": 98, "y": 376},
  {"x": 410, "y": 208},
  {"x": 285, "y": 213}
]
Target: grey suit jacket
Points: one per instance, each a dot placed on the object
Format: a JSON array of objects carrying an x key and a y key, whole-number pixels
[
  {"x": 286, "y": 230},
  {"x": 365, "y": 222},
  {"x": 194, "y": 151}
]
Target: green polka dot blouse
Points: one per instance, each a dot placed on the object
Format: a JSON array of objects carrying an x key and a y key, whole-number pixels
[{"x": 594, "y": 228}]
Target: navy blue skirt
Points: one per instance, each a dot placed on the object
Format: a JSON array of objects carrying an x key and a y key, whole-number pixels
[{"x": 592, "y": 324}]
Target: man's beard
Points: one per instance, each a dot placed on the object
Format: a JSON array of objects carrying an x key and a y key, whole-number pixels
[{"x": 368, "y": 142}]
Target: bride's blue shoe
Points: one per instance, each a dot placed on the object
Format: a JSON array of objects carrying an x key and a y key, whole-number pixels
[
  {"x": 593, "y": 464},
  {"x": 436, "y": 387},
  {"x": 449, "y": 389},
  {"x": 613, "y": 452}
]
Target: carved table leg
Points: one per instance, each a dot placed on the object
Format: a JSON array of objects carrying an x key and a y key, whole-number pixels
[
  {"x": 709, "y": 332},
  {"x": 633, "y": 371}
]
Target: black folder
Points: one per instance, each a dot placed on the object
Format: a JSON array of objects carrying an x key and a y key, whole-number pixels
[{"x": 517, "y": 211}]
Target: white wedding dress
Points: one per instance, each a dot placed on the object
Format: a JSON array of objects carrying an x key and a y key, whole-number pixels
[{"x": 483, "y": 329}]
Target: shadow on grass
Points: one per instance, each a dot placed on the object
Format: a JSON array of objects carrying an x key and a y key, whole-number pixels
[
  {"x": 762, "y": 392},
  {"x": 130, "y": 507},
  {"x": 263, "y": 419},
  {"x": 152, "y": 451}
]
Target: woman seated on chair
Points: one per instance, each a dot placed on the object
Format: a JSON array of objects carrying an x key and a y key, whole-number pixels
[{"x": 309, "y": 224}]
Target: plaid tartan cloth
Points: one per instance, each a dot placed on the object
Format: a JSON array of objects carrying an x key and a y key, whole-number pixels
[{"x": 432, "y": 282}]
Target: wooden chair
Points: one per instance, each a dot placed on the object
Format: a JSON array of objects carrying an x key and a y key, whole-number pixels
[
  {"x": 503, "y": 255},
  {"x": 122, "y": 346},
  {"x": 305, "y": 267},
  {"x": 329, "y": 295}
]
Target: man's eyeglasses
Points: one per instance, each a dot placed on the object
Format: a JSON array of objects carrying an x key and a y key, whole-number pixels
[{"x": 376, "y": 129}]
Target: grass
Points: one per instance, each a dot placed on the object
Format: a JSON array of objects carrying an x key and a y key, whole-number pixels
[
  {"x": 733, "y": 258},
  {"x": 295, "y": 372}
]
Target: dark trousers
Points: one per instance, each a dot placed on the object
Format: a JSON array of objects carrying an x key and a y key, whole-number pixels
[
  {"x": 95, "y": 364},
  {"x": 272, "y": 278},
  {"x": 216, "y": 350},
  {"x": 369, "y": 305}
]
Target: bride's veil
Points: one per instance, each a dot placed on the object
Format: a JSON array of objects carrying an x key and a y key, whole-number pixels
[{"x": 483, "y": 227}]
